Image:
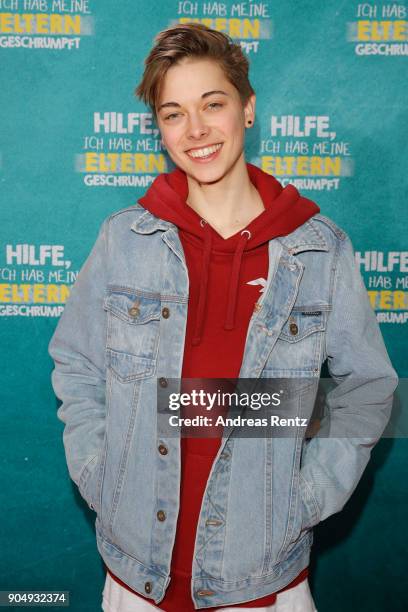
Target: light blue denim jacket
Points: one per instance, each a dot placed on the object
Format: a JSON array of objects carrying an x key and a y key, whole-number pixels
[{"x": 263, "y": 495}]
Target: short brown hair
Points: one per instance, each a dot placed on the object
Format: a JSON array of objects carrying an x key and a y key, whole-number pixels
[{"x": 192, "y": 40}]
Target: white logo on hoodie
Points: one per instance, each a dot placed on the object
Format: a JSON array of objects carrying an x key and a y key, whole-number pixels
[{"x": 258, "y": 281}]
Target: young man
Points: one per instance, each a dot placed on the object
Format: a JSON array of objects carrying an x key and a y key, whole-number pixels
[{"x": 217, "y": 272}]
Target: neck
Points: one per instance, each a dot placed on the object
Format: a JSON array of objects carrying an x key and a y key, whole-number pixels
[{"x": 229, "y": 204}]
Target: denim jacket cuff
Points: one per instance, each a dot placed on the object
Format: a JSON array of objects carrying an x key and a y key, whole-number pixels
[
  {"x": 310, "y": 507},
  {"x": 85, "y": 480}
]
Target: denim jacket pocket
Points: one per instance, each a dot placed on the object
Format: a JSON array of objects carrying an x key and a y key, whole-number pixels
[
  {"x": 133, "y": 325},
  {"x": 299, "y": 350},
  {"x": 303, "y": 321},
  {"x": 128, "y": 368}
]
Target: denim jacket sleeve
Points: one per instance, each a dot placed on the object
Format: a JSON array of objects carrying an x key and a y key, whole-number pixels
[
  {"x": 358, "y": 408},
  {"x": 78, "y": 350}
]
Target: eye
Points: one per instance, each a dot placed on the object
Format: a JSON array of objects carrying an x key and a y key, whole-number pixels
[
  {"x": 172, "y": 116},
  {"x": 215, "y": 105}
]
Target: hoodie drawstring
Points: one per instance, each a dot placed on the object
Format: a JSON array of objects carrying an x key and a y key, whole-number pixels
[
  {"x": 234, "y": 280},
  {"x": 203, "y": 283},
  {"x": 233, "y": 285}
]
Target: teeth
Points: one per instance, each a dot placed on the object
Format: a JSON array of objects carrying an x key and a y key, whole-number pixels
[{"x": 205, "y": 152}]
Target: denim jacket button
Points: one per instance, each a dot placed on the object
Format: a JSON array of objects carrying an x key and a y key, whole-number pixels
[
  {"x": 148, "y": 587},
  {"x": 165, "y": 312},
  {"x": 163, "y": 449},
  {"x": 293, "y": 329},
  {"x": 134, "y": 311},
  {"x": 161, "y": 515},
  {"x": 163, "y": 382}
]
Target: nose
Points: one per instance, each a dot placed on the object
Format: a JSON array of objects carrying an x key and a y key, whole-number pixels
[{"x": 196, "y": 128}]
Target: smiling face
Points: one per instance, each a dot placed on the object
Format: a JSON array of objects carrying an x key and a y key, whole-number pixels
[{"x": 202, "y": 119}]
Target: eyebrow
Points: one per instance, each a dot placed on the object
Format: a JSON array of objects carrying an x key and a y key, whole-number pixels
[{"x": 203, "y": 96}]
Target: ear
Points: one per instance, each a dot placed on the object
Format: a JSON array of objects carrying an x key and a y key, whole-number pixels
[{"x": 249, "y": 111}]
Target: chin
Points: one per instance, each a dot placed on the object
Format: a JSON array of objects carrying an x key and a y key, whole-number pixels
[
  {"x": 206, "y": 174},
  {"x": 207, "y": 178}
]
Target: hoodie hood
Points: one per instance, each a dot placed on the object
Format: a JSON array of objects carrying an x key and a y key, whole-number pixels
[{"x": 285, "y": 210}]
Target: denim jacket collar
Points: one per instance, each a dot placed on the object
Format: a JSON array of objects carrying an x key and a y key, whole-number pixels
[
  {"x": 148, "y": 223},
  {"x": 305, "y": 238}
]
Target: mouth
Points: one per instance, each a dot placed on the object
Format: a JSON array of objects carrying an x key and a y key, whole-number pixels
[{"x": 205, "y": 153}]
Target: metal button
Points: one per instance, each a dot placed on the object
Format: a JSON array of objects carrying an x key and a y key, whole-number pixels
[
  {"x": 163, "y": 382},
  {"x": 148, "y": 587},
  {"x": 134, "y": 310},
  {"x": 162, "y": 449},
  {"x": 161, "y": 515},
  {"x": 293, "y": 329},
  {"x": 165, "y": 312}
]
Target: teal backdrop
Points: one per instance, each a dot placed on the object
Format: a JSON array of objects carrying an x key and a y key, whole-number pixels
[{"x": 76, "y": 145}]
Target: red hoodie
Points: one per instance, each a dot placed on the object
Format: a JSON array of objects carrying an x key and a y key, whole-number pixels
[{"x": 226, "y": 278}]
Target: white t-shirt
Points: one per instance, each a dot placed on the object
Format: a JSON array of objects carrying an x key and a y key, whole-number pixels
[{"x": 116, "y": 598}]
